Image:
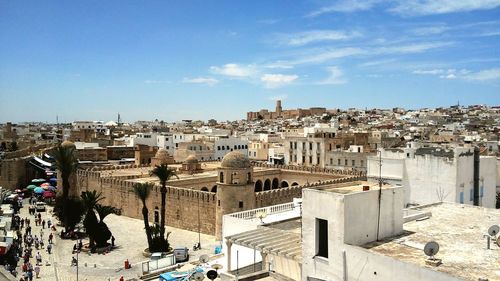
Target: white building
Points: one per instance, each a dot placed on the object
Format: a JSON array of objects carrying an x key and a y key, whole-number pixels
[
  {"x": 432, "y": 174},
  {"x": 223, "y": 146}
]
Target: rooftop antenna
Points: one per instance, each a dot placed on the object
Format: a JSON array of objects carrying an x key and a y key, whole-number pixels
[{"x": 431, "y": 249}]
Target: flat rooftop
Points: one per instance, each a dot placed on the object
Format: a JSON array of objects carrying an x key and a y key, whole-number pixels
[
  {"x": 459, "y": 230},
  {"x": 351, "y": 187}
]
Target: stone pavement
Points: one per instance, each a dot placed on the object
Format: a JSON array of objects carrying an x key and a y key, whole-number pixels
[{"x": 129, "y": 244}]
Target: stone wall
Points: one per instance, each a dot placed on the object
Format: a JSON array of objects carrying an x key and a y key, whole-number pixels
[{"x": 182, "y": 203}]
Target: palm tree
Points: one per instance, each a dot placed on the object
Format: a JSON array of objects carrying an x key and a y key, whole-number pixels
[
  {"x": 164, "y": 173},
  {"x": 66, "y": 163},
  {"x": 90, "y": 200},
  {"x": 142, "y": 191}
]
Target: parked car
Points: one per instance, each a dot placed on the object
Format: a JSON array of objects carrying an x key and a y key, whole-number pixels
[
  {"x": 181, "y": 254},
  {"x": 40, "y": 206}
]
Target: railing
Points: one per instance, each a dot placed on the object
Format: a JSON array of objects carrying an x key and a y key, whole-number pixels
[
  {"x": 153, "y": 265},
  {"x": 251, "y": 214}
]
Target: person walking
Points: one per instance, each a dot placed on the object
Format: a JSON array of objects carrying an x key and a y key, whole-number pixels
[
  {"x": 43, "y": 224},
  {"x": 49, "y": 248},
  {"x": 37, "y": 271}
]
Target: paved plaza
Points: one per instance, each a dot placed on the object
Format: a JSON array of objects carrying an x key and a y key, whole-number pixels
[{"x": 129, "y": 244}]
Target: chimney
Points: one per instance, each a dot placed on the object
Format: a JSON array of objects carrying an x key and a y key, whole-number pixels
[{"x": 476, "y": 176}]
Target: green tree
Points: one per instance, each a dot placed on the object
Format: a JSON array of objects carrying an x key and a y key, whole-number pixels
[
  {"x": 164, "y": 174},
  {"x": 69, "y": 211},
  {"x": 142, "y": 191},
  {"x": 90, "y": 199},
  {"x": 66, "y": 164},
  {"x": 103, "y": 234}
]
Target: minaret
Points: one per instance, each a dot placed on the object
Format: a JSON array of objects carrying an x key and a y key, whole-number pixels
[
  {"x": 278, "y": 108},
  {"x": 235, "y": 188}
]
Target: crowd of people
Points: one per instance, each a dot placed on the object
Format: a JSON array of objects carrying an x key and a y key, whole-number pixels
[{"x": 30, "y": 249}]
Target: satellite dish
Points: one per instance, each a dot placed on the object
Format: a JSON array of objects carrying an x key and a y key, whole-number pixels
[
  {"x": 493, "y": 230},
  {"x": 431, "y": 249},
  {"x": 216, "y": 266},
  {"x": 261, "y": 215},
  {"x": 204, "y": 258},
  {"x": 212, "y": 274},
  {"x": 198, "y": 276}
]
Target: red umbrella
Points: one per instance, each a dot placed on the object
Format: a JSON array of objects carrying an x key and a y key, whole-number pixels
[{"x": 48, "y": 194}]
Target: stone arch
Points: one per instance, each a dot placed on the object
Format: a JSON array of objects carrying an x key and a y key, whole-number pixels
[
  {"x": 258, "y": 186},
  {"x": 284, "y": 184},
  {"x": 267, "y": 184},
  {"x": 275, "y": 183},
  {"x": 214, "y": 189},
  {"x": 295, "y": 184},
  {"x": 204, "y": 189}
]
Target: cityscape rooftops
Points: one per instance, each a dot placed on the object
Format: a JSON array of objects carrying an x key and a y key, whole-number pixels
[{"x": 459, "y": 230}]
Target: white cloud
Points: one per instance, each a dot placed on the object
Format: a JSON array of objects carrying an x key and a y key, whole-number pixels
[
  {"x": 430, "y": 71},
  {"x": 451, "y": 73},
  {"x": 280, "y": 97},
  {"x": 411, "y": 48},
  {"x": 277, "y": 80},
  {"x": 409, "y": 7},
  {"x": 156, "y": 81},
  {"x": 345, "y": 6},
  {"x": 336, "y": 77},
  {"x": 279, "y": 64},
  {"x": 484, "y": 75},
  {"x": 201, "y": 80},
  {"x": 234, "y": 70},
  {"x": 432, "y": 7},
  {"x": 314, "y": 36},
  {"x": 328, "y": 54},
  {"x": 430, "y": 30}
]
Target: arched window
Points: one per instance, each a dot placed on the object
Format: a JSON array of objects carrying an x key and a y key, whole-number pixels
[
  {"x": 276, "y": 183},
  {"x": 204, "y": 189},
  {"x": 157, "y": 215},
  {"x": 267, "y": 185},
  {"x": 214, "y": 189},
  {"x": 258, "y": 186},
  {"x": 221, "y": 177},
  {"x": 295, "y": 184},
  {"x": 284, "y": 184}
]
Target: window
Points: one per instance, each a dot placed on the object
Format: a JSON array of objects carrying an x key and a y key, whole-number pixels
[
  {"x": 338, "y": 161},
  {"x": 221, "y": 177},
  {"x": 331, "y": 161},
  {"x": 240, "y": 204},
  {"x": 310, "y": 159},
  {"x": 359, "y": 149},
  {"x": 471, "y": 193},
  {"x": 303, "y": 159},
  {"x": 295, "y": 158},
  {"x": 461, "y": 197},
  {"x": 317, "y": 162},
  {"x": 310, "y": 146},
  {"x": 291, "y": 145},
  {"x": 353, "y": 163},
  {"x": 321, "y": 238},
  {"x": 218, "y": 147},
  {"x": 345, "y": 162},
  {"x": 362, "y": 163}
]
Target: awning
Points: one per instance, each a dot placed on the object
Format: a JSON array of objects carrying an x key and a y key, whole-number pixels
[
  {"x": 42, "y": 162},
  {"x": 270, "y": 240}
]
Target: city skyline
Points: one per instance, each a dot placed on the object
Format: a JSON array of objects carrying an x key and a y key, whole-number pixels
[{"x": 199, "y": 60}]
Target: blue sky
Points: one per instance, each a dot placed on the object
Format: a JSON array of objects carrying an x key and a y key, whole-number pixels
[{"x": 172, "y": 60}]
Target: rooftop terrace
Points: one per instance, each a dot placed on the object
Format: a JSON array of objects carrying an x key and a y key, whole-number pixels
[{"x": 459, "y": 230}]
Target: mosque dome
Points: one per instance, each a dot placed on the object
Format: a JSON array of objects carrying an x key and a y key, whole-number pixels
[
  {"x": 162, "y": 155},
  {"x": 191, "y": 159},
  {"x": 235, "y": 160},
  {"x": 67, "y": 143}
]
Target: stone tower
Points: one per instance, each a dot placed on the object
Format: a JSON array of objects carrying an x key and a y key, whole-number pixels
[
  {"x": 278, "y": 108},
  {"x": 235, "y": 188}
]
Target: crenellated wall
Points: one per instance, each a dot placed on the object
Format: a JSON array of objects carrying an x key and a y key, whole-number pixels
[{"x": 183, "y": 201}]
